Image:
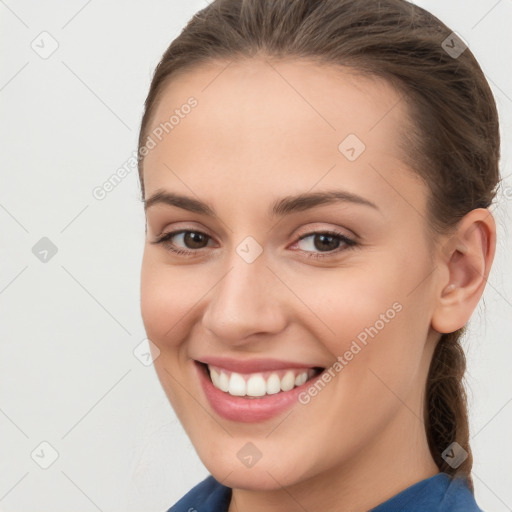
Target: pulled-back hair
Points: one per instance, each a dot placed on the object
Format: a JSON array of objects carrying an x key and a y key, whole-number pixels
[{"x": 453, "y": 144}]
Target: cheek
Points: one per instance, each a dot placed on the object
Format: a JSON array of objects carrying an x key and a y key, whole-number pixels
[
  {"x": 167, "y": 296},
  {"x": 372, "y": 319},
  {"x": 350, "y": 300}
]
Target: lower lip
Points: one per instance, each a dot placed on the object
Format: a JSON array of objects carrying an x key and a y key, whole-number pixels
[{"x": 248, "y": 410}]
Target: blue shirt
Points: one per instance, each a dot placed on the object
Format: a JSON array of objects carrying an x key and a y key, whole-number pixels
[{"x": 438, "y": 493}]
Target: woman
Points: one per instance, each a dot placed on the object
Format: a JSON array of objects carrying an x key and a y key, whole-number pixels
[{"x": 317, "y": 178}]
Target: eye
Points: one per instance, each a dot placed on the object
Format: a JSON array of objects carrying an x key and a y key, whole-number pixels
[
  {"x": 328, "y": 242},
  {"x": 195, "y": 239}
]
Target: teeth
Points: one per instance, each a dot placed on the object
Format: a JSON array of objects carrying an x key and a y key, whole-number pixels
[
  {"x": 223, "y": 382},
  {"x": 215, "y": 378},
  {"x": 288, "y": 381},
  {"x": 301, "y": 378},
  {"x": 273, "y": 384},
  {"x": 237, "y": 385},
  {"x": 258, "y": 384}
]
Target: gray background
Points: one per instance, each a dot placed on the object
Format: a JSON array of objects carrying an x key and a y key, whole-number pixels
[{"x": 70, "y": 324}]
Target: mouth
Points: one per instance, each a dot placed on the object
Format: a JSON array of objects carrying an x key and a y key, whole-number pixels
[{"x": 259, "y": 384}]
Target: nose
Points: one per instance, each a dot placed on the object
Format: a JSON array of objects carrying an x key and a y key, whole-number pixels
[{"x": 245, "y": 302}]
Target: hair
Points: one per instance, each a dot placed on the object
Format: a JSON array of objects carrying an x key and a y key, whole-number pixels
[{"x": 452, "y": 142}]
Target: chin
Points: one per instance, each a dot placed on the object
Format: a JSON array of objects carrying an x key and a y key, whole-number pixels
[
  {"x": 253, "y": 479},
  {"x": 262, "y": 476}
]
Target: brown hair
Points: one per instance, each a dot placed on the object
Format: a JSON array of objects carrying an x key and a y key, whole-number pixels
[{"x": 453, "y": 142}]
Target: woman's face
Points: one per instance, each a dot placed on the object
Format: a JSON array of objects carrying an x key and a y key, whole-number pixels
[{"x": 264, "y": 295}]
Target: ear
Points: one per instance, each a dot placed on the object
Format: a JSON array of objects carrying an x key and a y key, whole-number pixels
[{"x": 465, "y": 259}]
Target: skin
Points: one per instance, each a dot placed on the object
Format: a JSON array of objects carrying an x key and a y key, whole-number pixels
[{"x": 263, "y": 130}]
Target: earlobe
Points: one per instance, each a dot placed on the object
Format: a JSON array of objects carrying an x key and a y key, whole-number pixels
[{"x": 466, "y": 259}]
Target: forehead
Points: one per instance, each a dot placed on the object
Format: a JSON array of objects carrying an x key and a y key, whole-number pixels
[{"x": 284, "y": 123}]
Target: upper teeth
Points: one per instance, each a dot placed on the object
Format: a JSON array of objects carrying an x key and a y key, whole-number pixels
[{"x": 258, "y": 384}]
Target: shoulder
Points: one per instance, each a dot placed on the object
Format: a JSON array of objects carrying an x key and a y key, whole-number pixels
[
  {"x": 207, "y": 496},
  {"x": 439, "y": 493},
  {"x": 458, "y": 497}
]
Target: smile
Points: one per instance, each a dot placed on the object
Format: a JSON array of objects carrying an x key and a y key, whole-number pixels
[
  {"x": 259, "y": 384},
  {"x": 253, "y": 396}
]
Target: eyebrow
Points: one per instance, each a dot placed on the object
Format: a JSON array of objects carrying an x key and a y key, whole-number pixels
[{"x": 281, "y": 207}]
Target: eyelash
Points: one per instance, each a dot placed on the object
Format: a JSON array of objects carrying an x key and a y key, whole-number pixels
[{"x": 349, "y": 243}]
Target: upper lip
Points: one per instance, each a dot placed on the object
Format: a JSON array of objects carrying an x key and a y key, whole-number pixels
[{"x": 251, "y": 365}]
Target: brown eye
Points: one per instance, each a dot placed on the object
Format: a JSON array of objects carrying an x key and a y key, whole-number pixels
[
  {"x": 192, "y": 240},
  {"x": 328, "y": 242}
]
